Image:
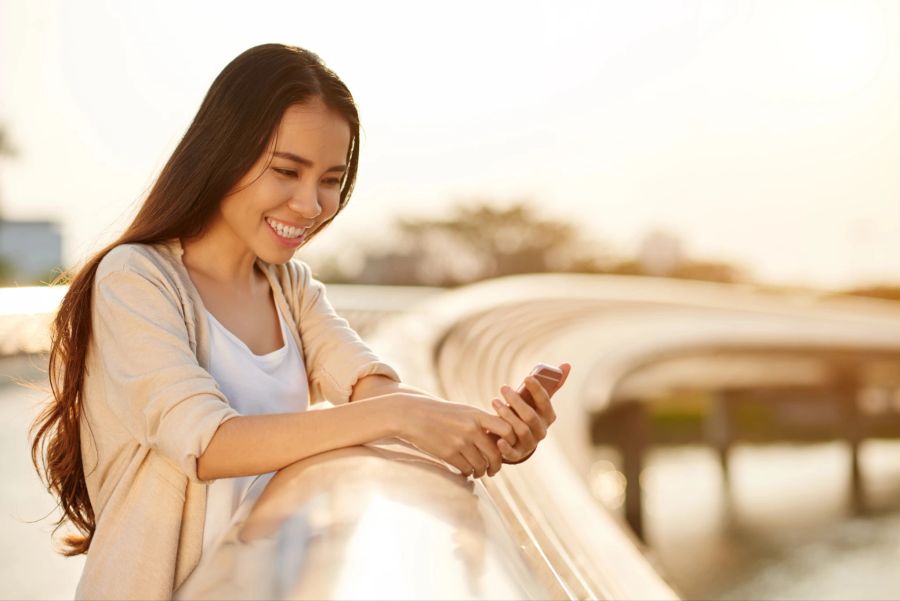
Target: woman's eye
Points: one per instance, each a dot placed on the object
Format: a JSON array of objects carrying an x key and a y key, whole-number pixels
[
  {"x": 333, "y": 181},
  {"x": 286, "y": 172}
]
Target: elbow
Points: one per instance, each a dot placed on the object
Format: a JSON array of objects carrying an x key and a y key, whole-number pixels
[
  {"x": 208, "y": 463},
  {"x": 204, "y": 473},
  {"x": 371, "y": 386}
]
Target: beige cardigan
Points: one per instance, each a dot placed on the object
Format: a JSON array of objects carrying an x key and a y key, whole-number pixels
[{"x": 151, "y": 408}]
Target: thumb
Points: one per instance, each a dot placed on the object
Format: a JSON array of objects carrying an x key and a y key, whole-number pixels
[{"x": 565, "y": 368}]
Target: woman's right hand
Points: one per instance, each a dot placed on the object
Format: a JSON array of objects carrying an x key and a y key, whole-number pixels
[{"x": 454, "y": 432}]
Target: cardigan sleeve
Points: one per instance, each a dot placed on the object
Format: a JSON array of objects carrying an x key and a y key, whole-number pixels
[
  {"x": 336, "y": 357},
  {"x": 152, "y": 380}
]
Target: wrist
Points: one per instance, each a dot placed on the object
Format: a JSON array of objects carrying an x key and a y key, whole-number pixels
[
  {"x": 381, "y": 413},
  {"x": 397, "y": 414}
]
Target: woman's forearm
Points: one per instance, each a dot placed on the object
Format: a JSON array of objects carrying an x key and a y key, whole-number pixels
[
  {"x": 258, "y": 444},
  {"x": 378, "y": 385}
]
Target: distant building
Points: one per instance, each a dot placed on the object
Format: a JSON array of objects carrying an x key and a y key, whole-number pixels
[
  {"x": 660, "y": 254},
  {"x": 29, "y": 250}
]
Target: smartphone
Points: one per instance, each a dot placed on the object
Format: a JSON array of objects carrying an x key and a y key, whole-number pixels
[{"x": 549, "y": 377}]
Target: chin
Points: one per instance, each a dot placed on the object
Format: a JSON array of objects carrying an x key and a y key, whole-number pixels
[{"x": 277, "y": 257}]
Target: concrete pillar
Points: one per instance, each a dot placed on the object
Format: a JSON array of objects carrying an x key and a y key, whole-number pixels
[{"x": 633, "y": 441}]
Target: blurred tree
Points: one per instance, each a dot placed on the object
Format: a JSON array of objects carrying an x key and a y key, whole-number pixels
[
  {"x": 885, "y": 292},
  {"x": 479, "y": 241},
  {"x": 6, "y": 271},
  {"x": 5, "y": 147},
  {"x": 6, "y": 150}
]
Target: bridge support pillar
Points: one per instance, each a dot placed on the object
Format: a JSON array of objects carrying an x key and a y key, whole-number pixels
[
  {"x": 847, "y": 388},
  {"x": 719, "y": 430},
  {"x": 633, "y": 443}
]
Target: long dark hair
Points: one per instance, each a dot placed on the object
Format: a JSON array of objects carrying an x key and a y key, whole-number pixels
[{"x": 236, "y": 122}]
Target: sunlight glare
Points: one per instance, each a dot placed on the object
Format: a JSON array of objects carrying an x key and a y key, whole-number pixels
[
  {"x": 830, "y": 48},
  {"x": 31, "y": 300}
]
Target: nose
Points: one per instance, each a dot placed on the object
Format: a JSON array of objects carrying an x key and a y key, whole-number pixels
[{"x": 306, "y": 202}]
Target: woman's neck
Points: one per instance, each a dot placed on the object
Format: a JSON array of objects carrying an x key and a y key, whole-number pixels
[{"x": 222, "y": 261}]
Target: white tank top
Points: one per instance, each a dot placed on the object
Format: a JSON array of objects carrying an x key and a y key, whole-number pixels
[{"x": 253, "y": 384}]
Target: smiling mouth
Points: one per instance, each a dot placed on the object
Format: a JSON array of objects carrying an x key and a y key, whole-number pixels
[{"x": 286, "y": 231}]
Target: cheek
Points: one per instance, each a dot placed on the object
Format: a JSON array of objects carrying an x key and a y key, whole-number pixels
[
  {"x": 330, "y": 203},
  {"x": 266, "y": 196},
  {"x": 271, "y": 190}
]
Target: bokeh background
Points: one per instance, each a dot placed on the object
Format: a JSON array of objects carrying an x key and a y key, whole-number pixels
[{"x": 745, "y": 142}]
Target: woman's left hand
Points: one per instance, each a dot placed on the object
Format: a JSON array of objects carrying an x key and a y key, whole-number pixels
[{"x": 529, "y": 423}]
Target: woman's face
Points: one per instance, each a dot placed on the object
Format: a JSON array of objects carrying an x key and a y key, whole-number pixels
[{"x": 276, "y": 207}]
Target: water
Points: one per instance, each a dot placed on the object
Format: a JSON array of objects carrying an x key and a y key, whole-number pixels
[{"x": 782, "y": 528}]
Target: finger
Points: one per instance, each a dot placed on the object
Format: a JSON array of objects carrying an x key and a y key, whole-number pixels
[
  {"x": 504, "y": 423},
  {"x": 520, "y": 428},
  {"x": 535, "y": 423},
  {"x": 508, "y": 452},
  {"x": 491, "y": 453},
  {"x": 462, "y": 464},
  {"x": 475, "y": 459},
  {"x": 565, "y": 368},
  {"x": 541, "y": 399},
  {"x": 524, "y": 433},
  {"x": 498, "y": 426}
]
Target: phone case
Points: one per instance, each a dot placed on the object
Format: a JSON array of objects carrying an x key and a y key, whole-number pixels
[{"x": 549, "y": 377}]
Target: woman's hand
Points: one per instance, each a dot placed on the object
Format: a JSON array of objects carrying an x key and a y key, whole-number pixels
[
  {"x": 529, "y": 423},
  {"x": 456, "y": 433}
]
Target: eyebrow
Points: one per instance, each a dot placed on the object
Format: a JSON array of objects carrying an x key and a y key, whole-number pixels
[{"x": 306, "y": 162}]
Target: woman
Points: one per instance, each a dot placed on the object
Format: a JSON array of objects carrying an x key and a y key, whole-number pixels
[{"x": 186, "y": 353}]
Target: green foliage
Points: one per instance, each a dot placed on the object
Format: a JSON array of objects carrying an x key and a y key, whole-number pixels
[
  {"x": 480, "y": 240},
  {"x": 516, "y": 233},
  {"x": 6, "y": 149},
  {"x": 475, "y": 242},
  {"x": 7, "y": 271},
  {"x": 10, "y": 277}
]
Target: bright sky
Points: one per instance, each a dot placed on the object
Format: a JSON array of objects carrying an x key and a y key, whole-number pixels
[{"x": 765, "y": 133}]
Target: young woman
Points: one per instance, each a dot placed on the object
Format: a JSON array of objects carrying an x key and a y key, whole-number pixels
[{"x": 186, "y": 353}]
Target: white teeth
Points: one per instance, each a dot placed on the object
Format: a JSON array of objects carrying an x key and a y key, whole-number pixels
[{"x": 285, "y": 230}]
